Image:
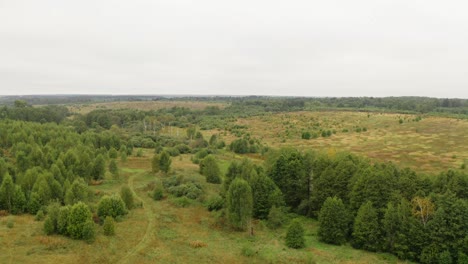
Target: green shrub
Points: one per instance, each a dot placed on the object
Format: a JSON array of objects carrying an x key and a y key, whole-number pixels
[
  {"x": 39, "y": 216},
  {"x": 295, "y": 235},
  {"x": 10, "y": 222},
  {"x": 89, "y": 232},
  {"x": 78, "y": 224},
  {"x": 111, "y": 206},
  {"x": 182, "y": 201},
  {"x": 247, "y": 251},
  {"x": 215, "y": 203},
  {"x": 109, "y": 226},
  {"x": 276, "y": 217},
  {"x": 127, "y": 196},
  {"x": 306, "y": 135},
  {"x": 158, "y": 193},
  {"x": 49, "y": 228},
  {"x": 63, "y": 219}
]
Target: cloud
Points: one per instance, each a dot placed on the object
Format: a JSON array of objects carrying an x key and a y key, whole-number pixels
[{"x": 306, "y": 48}]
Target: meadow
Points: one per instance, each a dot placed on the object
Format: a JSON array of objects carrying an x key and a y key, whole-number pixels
[{"x": 164, "y": 232}]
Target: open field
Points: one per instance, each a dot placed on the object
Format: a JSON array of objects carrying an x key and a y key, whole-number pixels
[
  {"x": 162, "y": 232},
  {"x": 431, "y": 144},
  {"x": 142, "y": 105}
]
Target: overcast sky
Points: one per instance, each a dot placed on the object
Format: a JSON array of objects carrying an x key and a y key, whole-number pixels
[{"x": 303, "y": 48}]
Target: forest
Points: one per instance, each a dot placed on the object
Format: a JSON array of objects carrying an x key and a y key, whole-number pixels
[{"x": 52, "y": 160}]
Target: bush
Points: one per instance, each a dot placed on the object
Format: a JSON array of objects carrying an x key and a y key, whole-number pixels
[
  {"x": 295, "y": 235},
  {"x": 39, "y": 216},
  {"x": 247, "y": 251},
  {"x": 88, "y": 232},
  {"x": 173, "y": 152},
  {"x": 190, "y": 190},
  {"x": 79, "y": 219},
  {"x": 10, "y": 222},
  {"x": 215, "y": 203},
  {"x": 306, "y": 135},
  {"x": 109, "y": 226},
  {"x": 182, "y": 201},
  {"x": 111, "y": 206},
  {"x": 63, "y": 219},
  {"x": 158, "y": 193},
  {"x": 127, "y": 196},
  {"x": 49, "y": 228},
  {"x": 276, "y": 217}
]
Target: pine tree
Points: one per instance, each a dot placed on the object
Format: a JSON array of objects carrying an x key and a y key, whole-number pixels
[
  {"x": 109, "y": 226},
  {"x": 239, "y": 204},
  {"x": 295, "y": 235},
  {"x": 333, "y": 222},
  {"x": 99, "y": 168},
  {"x": 366, "y": 228},
  {"x": 113, "y": 168},
  {"x": 265, "y": 195}
]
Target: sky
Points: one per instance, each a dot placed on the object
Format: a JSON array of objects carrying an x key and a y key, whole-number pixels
[{"x": 215, "y": 47}]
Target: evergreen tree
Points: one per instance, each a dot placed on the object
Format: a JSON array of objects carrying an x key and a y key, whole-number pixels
[
  {"x": 209, "y": 167},
  {"x": 19, "y": 201},
  {"x": 333, "y": 222},
  {"x": 113, "y": 168},
  {"x": 155, "y": 163},
  {"x": 109, "y": 226},
  {"x": 77, "y": 192},
  {"x": 366, "y": 228},
  {"x": 239, "y": 204},
  {"x": 295, "y": 235}
]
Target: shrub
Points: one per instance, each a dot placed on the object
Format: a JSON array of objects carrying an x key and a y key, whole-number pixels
[
  {"x": 79, "y": 219},
  {"x": 295, "y": 235},
  {"x": 173, "y": 152},
  {"x": 10, "y": 222},
  {"x": 39, "y": 216},
  {"x": 49, "y": 228},
  {"x": 139, "y": 153},
  {"x": 306, "y": 135},
  {"x": 182, "y": 201},
  {"x": 127, "y": 196},
  {"x": 111, "y": 206},
  {"x": 158, "y": 193},
  {"x": 247, "y": 251},
  {"x": 109, "y": 226},
  {"x": 276, "y": 217},
  {"x": 88, "y": 232},
  {"x": 215, "y": 203},
  {"x": 63, "y": 219}
]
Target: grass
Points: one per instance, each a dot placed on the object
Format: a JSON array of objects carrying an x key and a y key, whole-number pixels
[
  {"x": 163, "y": 233},
  {"x": 431, "y": 145}
]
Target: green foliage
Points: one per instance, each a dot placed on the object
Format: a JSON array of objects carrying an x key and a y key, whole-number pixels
[
  {"x": 10, "y": 222},
  {"x": 78, "y": 222},
  {"x": 445, "y": 257},
  {"x": 99, "y": 168},
  {"x": 112, "y": 206},
  {"x": 113, "y": 168},
  {"x": 366, "y": 228},
  {"x": 49, "y": 228},
  {"x": 209, "y": 167},
  {"x": 19, "y": 201},
  {"x": 189, "y": 189},
  {"x": 7, "y": 193},
  {"x": 109, "y": 226},
  {"x": 239, "y": 204},
  {"x": 165, "y": 162},
  {"x": 77, "y": 192},
  {"x": 182, "y": 201},
  {"x": 155, "y": 167},
  {"x": 158, "y": 193},
  {"x": 247, "y": 251},
  {"x": 215, "y": 203},
  {"x": 265, "y": 194},
  {"x": 295, "y": 235},
  {"x": 240, "y": 146},
  {"x": 39, "y": 216},
  {"x": 333, "y": 222},
  {"x": 127, "y": 196},
  {"x": 63, "y": 220},
  {"x": 306, "y": 135},
  {"x": 89, "y": 231},
  {"x": 34, "y": 203},
  {"x": 276, "y": 217},
  {"x": 113, "y": 153}
]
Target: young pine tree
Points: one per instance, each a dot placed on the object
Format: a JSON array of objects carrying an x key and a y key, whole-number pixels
[
  {"x": 295, "y": 235},
  {"x": 127, "y": 196},
  {"x": 209, "y": 167},
  {"x": 109, "y": 226}
]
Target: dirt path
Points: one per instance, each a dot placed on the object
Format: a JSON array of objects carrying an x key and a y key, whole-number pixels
[{"x": 151, "y": 224}]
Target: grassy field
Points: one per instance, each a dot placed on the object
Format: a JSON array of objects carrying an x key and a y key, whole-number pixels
[
  {"x": 162, "y": 232},
  {"x": 142, "y": 105},
  {"x": 431, "y": 144}
]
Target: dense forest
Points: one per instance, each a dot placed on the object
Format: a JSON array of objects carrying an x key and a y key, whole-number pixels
[{"x": 49, "y": 157}]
